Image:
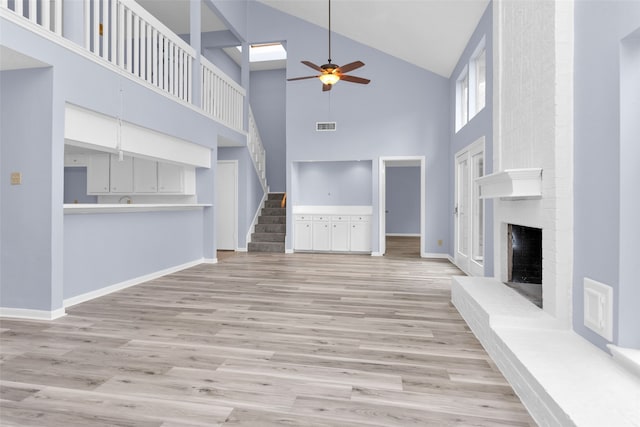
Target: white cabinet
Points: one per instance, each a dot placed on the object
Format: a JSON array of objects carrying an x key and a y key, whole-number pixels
[
  {"x": 75, "y": 160},
  {"x": 340, "y": 233},
  {"x": 145, "y": 176},
  {"x": 302, "y": 233},
  {"x": 332, "y": 232},
  {"x": 98, "y": 174},
  {"x": 170, "y": 178},
  {"x": 321, "y": 233},
  {"x": 360, "y": 234},
  {"x": 121, "y": 174}
]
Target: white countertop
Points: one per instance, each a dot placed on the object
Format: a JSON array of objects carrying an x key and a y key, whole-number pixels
[{"x": 86, "y": 208}]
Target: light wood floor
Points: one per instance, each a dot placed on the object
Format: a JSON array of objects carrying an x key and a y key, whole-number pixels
[{"x": 260, "y": 340}]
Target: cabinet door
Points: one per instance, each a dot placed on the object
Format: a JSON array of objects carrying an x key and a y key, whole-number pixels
[
  {"x": 360, "y": 234},
  {"x": 170, "y": 178},
  {"x": 302, "y": 235},
  {"x": 98, "y": 174},
  {"x": 321, "y": 235},
  {"x": 121, "y": 174},
  {"x": 340, "y": 236},
  {"x": 145, "y": 176}
]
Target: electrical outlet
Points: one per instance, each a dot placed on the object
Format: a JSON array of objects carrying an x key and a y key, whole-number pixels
[
  {"x": 439, "y": 242},
  {"x": 16, "y": 178}
]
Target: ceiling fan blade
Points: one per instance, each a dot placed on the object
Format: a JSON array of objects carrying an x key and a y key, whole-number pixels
[
  {"x": 312, "y": 65},
  {"x": 326, "y": 87},
  {"x": 354, "y": 79},
  {"x": 302, "y": 78},
  {"x": 350, "y": 67}
]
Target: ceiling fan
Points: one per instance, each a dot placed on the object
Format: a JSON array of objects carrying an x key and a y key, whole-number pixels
[{"x": 330, "y": 73}]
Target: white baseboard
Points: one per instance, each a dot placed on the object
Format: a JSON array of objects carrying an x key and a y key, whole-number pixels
[
  {"x": 433, "y": 255},
  {"x": 377, "y": 254},
  {"x": 210, "y": 260},
  {"x": 402, "y": 234},
  {"x": 127, "y": 283},
  {"x": 288, "y": 251},
  {"x": 242, "y": 250},
  {"x": 26, "y": 313}
]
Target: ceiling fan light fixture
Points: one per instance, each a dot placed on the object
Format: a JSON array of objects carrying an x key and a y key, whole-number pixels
[{"x": 329, "y": 78}]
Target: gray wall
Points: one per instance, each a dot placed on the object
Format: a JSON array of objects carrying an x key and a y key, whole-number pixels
[
  {"x": 403, "y": 200},
  {"x": 333, "y": 183},
  {"x": 75, "y": 186},
  {"x": 599, "y": 252},
  {"x": 480, "y": 125},
  {"x": 220, "y": 59},
  {"x": 268, "y": 93},
  {"x": 408, "y": 116}
]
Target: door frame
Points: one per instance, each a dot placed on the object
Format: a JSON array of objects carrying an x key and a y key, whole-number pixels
[
  {"x": 395, "y": 161},
  {"x": 471, "y": 267},
  {"x": 235, "y": 204}
]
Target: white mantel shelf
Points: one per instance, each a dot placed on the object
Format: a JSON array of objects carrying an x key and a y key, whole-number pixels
[
  {"x": 89, "y": 208},
  {"x": 512, "y": 184}
]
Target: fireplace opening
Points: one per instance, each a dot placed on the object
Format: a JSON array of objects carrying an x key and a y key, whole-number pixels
[{"x": 524, "y": 256}]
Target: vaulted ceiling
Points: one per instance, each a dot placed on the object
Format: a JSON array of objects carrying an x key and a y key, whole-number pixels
[{"x": 428, "y": 33}]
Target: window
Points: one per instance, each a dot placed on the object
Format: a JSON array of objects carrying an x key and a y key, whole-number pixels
[{"x": 471, "y": 87}]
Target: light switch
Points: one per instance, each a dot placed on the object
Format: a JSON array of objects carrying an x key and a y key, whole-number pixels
[{"x": 16, "y": 178}]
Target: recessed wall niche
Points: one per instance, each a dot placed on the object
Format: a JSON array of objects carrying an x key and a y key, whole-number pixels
[{"x": 332, "y": 183}]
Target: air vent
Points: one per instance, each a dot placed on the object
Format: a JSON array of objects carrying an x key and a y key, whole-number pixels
[{"x": 325, "y": 126}]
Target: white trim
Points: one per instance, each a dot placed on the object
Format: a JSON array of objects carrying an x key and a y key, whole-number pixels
[
  {"x": 209, "y": 260},
  {"x": 382, "y": 187},
  {"x": 629, "y": 358},
  {"x": 289, "y": 251},
  {"x": 377, "y": 254},
  {"x": 127, "y": 283},
  {"x": 451, "y": 260},
  {"x": 252, "y": 226},
  {"x": 403, "y": 234},
  {"x": 433, "y": 255},
  {"x": 27, "y": 313},
  {"x": 332, "y": 210},
  {"x": 89, "y": 208},
  {"x": 245, "y": 249}
]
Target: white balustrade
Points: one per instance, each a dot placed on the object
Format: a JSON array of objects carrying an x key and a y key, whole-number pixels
[
  {"x": 127, "y": 35},
  {"x": 222, "y": 98},
  {"x": 256, "y": 150},
  {"x": 47, "y": 13}
]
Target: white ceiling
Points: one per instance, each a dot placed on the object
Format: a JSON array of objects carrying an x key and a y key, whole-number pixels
[
  {"x": 175, "y": 15},
  {"x": 428, "y": 33}
]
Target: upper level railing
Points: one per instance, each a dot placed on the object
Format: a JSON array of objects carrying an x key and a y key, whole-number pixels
[
  {"x": 222, "y": 98},
  {"x": 257, "y": 151},
  {"x": 45, "y": 13}
]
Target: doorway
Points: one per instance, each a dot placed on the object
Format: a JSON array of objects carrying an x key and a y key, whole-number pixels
[
  {"x": 387, "y": 206},
  {"x": 469, "y": 210},
  {"x": 226, "y": 205}
]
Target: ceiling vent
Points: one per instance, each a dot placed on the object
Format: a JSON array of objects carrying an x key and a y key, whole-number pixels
[{"x": 325, "y": 126}]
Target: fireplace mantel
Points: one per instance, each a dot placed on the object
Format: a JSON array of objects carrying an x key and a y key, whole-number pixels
[{"x": 512, "y": 184}]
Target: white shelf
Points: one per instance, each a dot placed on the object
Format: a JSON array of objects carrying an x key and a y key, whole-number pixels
[
  {"x": 88, "y": 208},
  {"x": 512, "y": 184}
]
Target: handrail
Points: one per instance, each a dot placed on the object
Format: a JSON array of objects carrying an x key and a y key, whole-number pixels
[
  {"x": 257, "y": 151},
  {"x": 283, "y": 203}
]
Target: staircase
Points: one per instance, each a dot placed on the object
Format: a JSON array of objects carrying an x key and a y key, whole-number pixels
[{"x": 271, "y": 227}]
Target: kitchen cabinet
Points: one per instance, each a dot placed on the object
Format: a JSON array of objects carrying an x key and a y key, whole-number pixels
[
  {"x": 121, "y": 174},
  {"x": 334, "y": 231},
  {"x": 145, "y": 176},
  {"x": 302, "y": 233},
  {"x": 321, "y": 233},
  {"x": 170, "y": 178},
  {"x": 360, "y": 233},
  {"x": 75, "y": 160},
  {"x": 340, "y": 233},
  {"x": 98, "y": 174}
]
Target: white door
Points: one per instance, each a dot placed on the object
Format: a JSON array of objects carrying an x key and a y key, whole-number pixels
[
  {"x": 227, "y": 205},
  {"x": 469, "y": 210}
]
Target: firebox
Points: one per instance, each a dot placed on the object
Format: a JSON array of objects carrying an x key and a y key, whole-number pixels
[{"x": 524, "y": 261}]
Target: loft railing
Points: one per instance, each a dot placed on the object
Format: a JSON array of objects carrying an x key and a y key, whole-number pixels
[
  {"x": 222, "y": 98},
  {"x": 127, "y": 35},
  {"x": 48, "y": 14},
  {"x": 256, "y": 149}
]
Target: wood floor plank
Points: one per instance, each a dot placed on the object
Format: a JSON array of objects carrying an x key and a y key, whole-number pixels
[{"x": 263, "y": 340}]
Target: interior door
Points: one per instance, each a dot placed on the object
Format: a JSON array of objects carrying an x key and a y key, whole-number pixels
[{"x": 226, "y": 205}]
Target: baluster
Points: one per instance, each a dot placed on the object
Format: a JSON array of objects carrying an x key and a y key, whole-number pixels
[
  {"x": 172, "y": 75},
  {"x": 33, "y": 11},
  {"x": 128, "y": 36},
  {"x": 95, "y": 27},
  {"x": 45, "y": 15},
  {"x": 17, "y": 5},
  {"x": 105, "y": 29},
  {"x": 179, "y": 58},
  {"x": 57, "y": 20},
  {"x": 112, "y": 24},
  {"x": 155, "y": 56},
  {"x": 189, "y": 80},
  {"x": 121, "y": 35},
  {"x": 4, "y": 3},
  {"x": 148, "y": 57},
  {"x": 87, "y": 24},
  {"x": 136, "y": 44}
]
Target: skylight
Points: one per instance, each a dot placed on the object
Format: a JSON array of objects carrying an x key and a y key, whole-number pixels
[{"x": 265, "y": 52}]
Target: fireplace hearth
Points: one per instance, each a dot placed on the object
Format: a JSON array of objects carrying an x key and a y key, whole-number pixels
[{"x": 524, "y": 261}]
